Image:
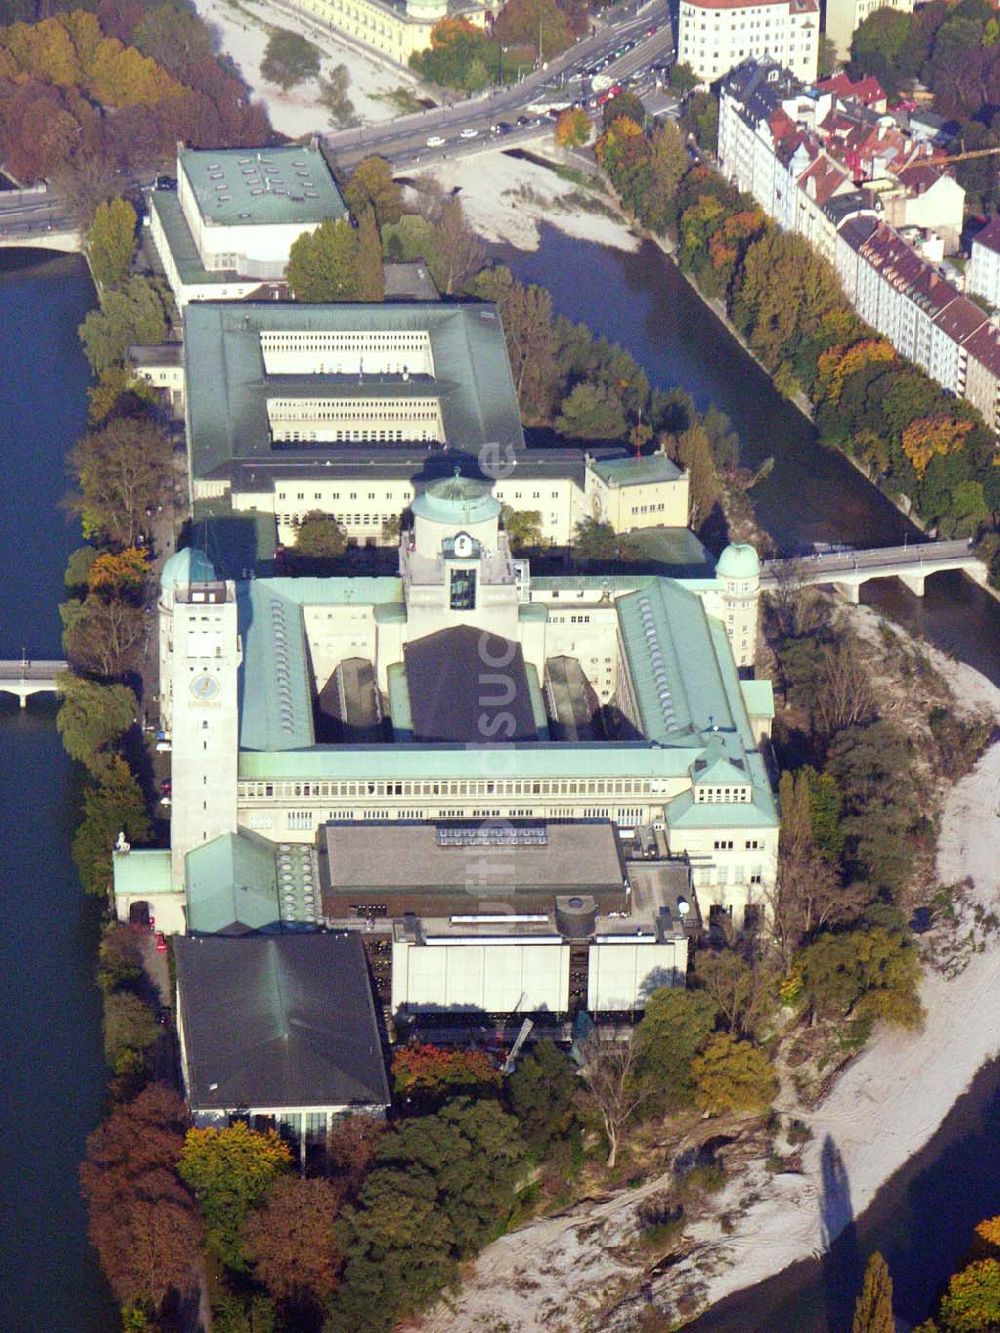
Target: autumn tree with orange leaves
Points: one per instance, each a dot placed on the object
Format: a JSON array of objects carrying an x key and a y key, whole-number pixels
[{"x": 928, "y": 437}]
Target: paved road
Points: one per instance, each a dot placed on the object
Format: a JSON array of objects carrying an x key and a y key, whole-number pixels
[
  {"x": 404, "y": 140},
  {"x": 29, "y": 669},
  {"x": 26, "y": 212}
]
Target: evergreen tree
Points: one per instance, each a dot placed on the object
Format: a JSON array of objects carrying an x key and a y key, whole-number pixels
[
  {"x": 323, "y": 264},
  {"x": 111, "y": 243},
  {"x": 873, "y": 1311}
]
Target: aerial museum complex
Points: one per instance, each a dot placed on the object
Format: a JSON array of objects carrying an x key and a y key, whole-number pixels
[{"x": 520, "y": 795}]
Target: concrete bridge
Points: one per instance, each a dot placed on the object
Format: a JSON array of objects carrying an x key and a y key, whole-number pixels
[
  {"x": 36, "y": 219},
  {"x": 24, "y": 677},
  {"x": 848, "y": 570}
]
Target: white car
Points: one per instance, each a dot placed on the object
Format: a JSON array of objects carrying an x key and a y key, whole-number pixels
[
  {"x": 469, "y": 133},
  {"x": 435, "y": 141}
]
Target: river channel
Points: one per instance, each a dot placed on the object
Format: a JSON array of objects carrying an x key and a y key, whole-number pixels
[
  {"x": 50, "y": 1017},
  {"x": 53, "y": 1072}
]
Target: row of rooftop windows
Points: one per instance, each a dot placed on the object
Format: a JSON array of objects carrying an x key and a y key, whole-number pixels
[
  {"x": 566, "y": 787},
  {"x": 318, "y": 341},
  {"x": 360, "y": 409},
  {"x": 361, "y": 435}
]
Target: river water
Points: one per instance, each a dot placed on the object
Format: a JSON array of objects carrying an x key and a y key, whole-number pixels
[
  {"x": 53, "y": 1071},
  {"x": 50, "y": 1014}
]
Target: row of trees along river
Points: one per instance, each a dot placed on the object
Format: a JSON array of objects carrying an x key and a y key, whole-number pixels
[{"x": 50, "y": 1013}]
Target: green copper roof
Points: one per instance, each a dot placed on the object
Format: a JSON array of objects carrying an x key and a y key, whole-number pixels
[
  {"x": 458, "y": 500},
  {"x": 232, "y": 885},
  {"x": 531, "y": 759},
  {"x": 228, "y": 387},
  {"x": 276, "y": 694},
  {"x": 184, "y": 567},
  {"x": 686, "y": 686},
  {"x": 758, "y": 695},
  {"x": 183, "y": 250},
  {"x": 399, "y": 703},
  {"x": 244, "y": 187},
  {"x": 738, "y": 562},
  {"x": 685, "y": 812},
  {"x": 144, "y": 871},
  {"x": 637, "y": 471}
]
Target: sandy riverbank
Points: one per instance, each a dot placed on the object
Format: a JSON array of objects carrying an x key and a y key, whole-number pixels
[
  {"x": 507, "y": 199},
  {"x": 559, "y": 1272},
  {"x": 243, "y": 27}
]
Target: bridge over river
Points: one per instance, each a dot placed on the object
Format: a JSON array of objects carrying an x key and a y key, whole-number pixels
[
  {"x": 912, "y": 564},
  {"x": 37, "y": 219},
  {"x": 25, "y": 676}
]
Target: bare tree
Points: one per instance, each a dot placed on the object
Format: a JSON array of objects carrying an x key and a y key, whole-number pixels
[
  {"x": 807, "y": 896},
  {"x": 784, "y": 596},
  {"x": 742, "y": 989},
  {"x": 845, "y": 691},
  {"x": 458, "y": 250},
  {"x": 608, "y": 1068}
]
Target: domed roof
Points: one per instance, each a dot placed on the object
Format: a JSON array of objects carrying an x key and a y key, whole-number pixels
[
  {"x": 460, "y": 500},
  {"x": 739, "y": 561},
  {"x": 184, "y": 567}
]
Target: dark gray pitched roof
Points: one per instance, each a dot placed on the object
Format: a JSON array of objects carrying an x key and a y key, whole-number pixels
[
  {"x": 279, "y": 1022},
  {"x": 455, "y": 693}
]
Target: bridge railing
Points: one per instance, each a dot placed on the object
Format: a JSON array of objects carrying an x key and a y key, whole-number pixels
[{"x": 919, "y": 553}]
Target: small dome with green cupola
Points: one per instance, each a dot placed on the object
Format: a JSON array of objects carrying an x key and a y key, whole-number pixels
[
  {"x": 459, "y": 500},
  {"x": 738, "y": 561},
  {"x": 185, "y": 567}
]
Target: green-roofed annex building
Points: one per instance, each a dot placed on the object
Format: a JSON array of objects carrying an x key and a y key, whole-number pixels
[
  {"x": 352, "y": 409},
  {"x": 459, "y": 646},
  {"x": 225, "y": 233}
]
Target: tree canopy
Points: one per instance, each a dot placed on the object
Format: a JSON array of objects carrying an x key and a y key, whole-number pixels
[
  {"x": 121, "y": 470},
  {"x": 142, "y": 1222},
  {"x": 289, "y": 59},
  {"x": 111, "y": 243},
  {"x": 319, "y": 536},
  {"x": 370, "y": 184},
  {"x": 323, "y": 264},
  {"x": 92, "y": 717},
  {"x": 130, "y": 313},
  {"x": 873, "y": 1310},
  {"x": 230, "y": 1171},
  {"x": 732, "y": 1076}
]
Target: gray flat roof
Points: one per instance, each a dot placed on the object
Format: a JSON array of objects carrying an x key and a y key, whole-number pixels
[
  {"x": 244, "y": 187},
  {"x": 576, "y": 858},
  {"x": 228, "y": 386}
]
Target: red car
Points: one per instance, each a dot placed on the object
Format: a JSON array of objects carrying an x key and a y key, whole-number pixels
[{"x": 161, "y": 942}]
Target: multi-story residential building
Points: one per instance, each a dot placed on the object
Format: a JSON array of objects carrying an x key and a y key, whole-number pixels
[
  {"x": 983, "y": 275},
  {"x": 226, "y": 232},
  {"x": 715, "y": 36},
  {"x": 844, "y": 17},
  {"x": 801, "y": 157}
]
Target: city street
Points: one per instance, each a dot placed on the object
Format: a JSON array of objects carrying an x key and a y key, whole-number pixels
[{"x": 405, "y": 139}]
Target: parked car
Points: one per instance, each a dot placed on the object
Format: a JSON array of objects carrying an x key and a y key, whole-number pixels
[
  {"x": 161, "y": 942},
  {"x": 502, "y": 127},
  {"x": 435, "y": 141},
  {"x": 470, "y": 132},
  {"x": 523, "y": 120}
]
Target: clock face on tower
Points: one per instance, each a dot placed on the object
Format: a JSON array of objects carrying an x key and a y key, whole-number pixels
[{"x": 205, "y": 687}]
